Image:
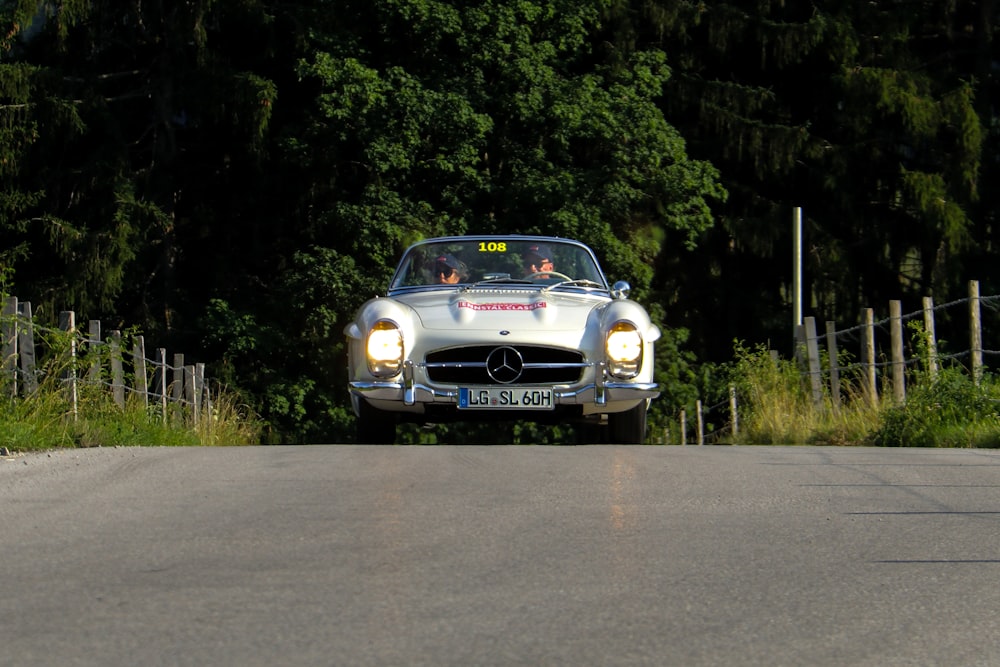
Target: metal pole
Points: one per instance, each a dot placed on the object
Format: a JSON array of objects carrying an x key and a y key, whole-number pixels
[{"x": 797, "y": 266}]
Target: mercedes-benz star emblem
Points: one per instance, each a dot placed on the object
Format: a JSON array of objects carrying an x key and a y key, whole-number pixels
[{"x": 504, "y": 365}]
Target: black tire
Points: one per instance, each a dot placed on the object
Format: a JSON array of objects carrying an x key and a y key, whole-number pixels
[
  {"x": 629, "y": 427},
  {"x": 375, "y": 427}
]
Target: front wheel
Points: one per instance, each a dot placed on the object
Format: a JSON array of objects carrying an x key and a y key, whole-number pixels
[
  {"x": 375, "y": 427},
  {"x": 628, "y": 427}
]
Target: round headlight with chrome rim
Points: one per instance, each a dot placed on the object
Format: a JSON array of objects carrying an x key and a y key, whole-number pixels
[
  {"x": 384, "y": 349},
  {"x": 624, "y": 349}
]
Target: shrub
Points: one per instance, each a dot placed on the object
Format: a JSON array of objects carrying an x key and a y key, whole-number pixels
[{"x": 946, "y": 409}]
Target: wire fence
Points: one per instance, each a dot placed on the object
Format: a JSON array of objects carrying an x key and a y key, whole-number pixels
[
  {"x": 77, "y": 361},
  {"x": 177, "y": 390},
  {"x": 870, "y": 359},
  {"x": 885, "y": 368}
]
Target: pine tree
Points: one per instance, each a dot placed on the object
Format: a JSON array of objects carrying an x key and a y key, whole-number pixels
[
  {"x": 861, "y": 114},
  {"x": 127, "y": 122}
]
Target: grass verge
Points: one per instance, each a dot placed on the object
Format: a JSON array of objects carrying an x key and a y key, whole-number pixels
[
  {"x": 44, "y": 420},
  {"x": 944, "y": 408}
]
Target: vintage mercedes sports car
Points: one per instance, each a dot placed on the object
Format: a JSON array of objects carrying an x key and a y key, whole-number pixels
[{"x": 502, "y": 327}]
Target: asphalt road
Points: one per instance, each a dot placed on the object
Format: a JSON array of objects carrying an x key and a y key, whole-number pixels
[{"x": 345, "y": 555}]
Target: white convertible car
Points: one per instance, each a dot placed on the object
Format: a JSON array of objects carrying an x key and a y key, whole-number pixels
[{"x": 478, "y": 328}]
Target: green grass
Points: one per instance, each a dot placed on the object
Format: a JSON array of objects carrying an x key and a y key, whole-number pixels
[
  {"x": 45, "y": 420},
  {"x": 943, "y": 409}
]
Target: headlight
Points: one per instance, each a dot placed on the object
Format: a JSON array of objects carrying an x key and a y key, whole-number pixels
[
  {"x": 624, "y": 348},
  {"x": 385, "y": 349}
]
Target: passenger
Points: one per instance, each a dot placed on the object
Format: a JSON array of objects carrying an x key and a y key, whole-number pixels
[
  {"x": 538, "y": 260},
  {"x": 449, "y": 270}
]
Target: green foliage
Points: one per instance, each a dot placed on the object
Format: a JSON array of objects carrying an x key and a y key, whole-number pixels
[
  {"x": 944, "y": 409},
  {"x": 242, "y": 175},
  {"x": 676, "y": 373},
  {"x": 863, "y": 114},
  {"x": 43, "y": 418},
  {"x": 42, "y": 421},
  {"x": 527, "y": 137},
  {"x": 227, "y": 332},
  {"x": 111, "y": 142},
  {"x": 774, "y": 406}
]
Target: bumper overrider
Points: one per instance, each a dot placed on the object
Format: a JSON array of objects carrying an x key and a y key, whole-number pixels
[{"x": 599, "y": 393}]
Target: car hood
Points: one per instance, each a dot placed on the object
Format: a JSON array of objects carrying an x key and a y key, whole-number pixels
[{"x": 493, "y": 308}]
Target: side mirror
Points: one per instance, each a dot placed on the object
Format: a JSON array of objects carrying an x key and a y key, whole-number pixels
[{"x": 621, "y": 289}]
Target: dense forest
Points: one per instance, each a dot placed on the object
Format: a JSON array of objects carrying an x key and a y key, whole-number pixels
[{"x": 236, "y": 176}]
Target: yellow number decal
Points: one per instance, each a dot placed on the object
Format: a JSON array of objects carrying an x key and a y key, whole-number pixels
[{"x": 492, "y": 246}]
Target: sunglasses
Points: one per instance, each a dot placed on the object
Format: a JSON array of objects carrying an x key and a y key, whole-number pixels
[{"x": 445, "y": 271}]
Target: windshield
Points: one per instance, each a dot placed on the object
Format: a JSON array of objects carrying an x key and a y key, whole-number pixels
[{"x": 507, "y": 260}]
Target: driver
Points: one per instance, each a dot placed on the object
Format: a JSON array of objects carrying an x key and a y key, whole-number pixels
[
  {"x": 448, "y": 270},
  {"x": 537, "y": 261}
]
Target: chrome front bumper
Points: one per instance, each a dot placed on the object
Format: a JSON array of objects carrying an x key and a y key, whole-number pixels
[{"x": 410, "y": 393}]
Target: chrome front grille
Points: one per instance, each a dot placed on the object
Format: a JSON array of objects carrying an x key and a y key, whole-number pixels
[{"x": 504, "y": 364}]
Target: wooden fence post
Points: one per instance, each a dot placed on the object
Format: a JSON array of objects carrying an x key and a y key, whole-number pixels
[
  {"x": 800, "y": 344},
  {"x": 734, "y": 417},
  {"x": 701, "y": 422},
  {"x": 975, "y": 332},
  {"x": 26, "y": 347},
  {"x": 898, "y": 361},
  {"x": 8, "y": 346},
  {"x": 117, "y": 372},
  {"x": 177, "y": 386},
  {"x": 831, "y": 350},
  {"x": 140, "y": 381},
  {"x": 207, "y": 406},
  {"x": 94, "y": 350},
  {"x": 870, "y": 386},
  {"x": 161, "y": 363},
  {"x": 684, "y": 426},
  {"x": 191, "y": 393},
  {"x": 931, "y": 337},
  {"x": 199, "y": 392},
  {"x": 812, "y": 355},
  {"x": 67, "y": 322}
]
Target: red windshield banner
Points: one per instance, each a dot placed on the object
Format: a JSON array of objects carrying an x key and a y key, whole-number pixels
[{"x": 502, "y": 306}]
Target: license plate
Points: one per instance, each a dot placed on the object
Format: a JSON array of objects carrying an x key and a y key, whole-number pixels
[{"x": 505, "y": 398}]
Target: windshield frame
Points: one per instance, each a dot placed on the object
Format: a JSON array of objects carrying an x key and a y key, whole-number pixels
[{"x": 497, "y": 261}]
